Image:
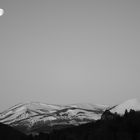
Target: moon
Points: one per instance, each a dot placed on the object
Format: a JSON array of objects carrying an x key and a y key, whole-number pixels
[{"x": 1, "y": 12}]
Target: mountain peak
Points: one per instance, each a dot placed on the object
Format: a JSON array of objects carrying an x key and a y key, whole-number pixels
[{"x": 127, "y": 105}]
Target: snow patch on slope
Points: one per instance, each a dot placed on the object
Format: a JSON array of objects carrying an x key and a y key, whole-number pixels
[{"x": 127, "y": 105}]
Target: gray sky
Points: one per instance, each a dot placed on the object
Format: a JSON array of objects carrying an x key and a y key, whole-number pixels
[{"x": 69, "y": 51}]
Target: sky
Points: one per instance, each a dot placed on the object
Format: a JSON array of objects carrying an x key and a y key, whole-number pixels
[{"x": 69, "y": 51}]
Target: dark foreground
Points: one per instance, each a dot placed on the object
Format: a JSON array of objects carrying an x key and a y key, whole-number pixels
[{"x": 110, "y": 127}]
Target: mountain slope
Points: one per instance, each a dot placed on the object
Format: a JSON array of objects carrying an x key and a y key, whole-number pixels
[
  {"x": 35, "y": 115},
  {"x": 127, "y": 105}
]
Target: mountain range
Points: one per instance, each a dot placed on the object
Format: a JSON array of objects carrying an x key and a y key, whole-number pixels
[{"x": 35, "y": 117}]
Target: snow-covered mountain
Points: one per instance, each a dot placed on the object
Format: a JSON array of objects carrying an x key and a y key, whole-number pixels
[
  {"x": 25, "y": 111},
  {"x": 36, "y": 115},
  {"x": 127, "y": 105}
]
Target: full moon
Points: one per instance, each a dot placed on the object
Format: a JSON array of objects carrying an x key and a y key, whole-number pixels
[{"x": 1, "y": 12}]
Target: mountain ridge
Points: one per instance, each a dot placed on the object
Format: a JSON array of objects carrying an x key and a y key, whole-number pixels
[
  {"x": 30, "y": 114},
  {"x": 35, "y": 116},
  {"x": 127, "y": 105}
]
